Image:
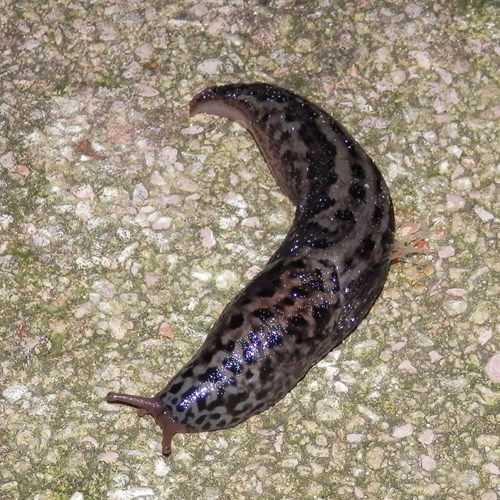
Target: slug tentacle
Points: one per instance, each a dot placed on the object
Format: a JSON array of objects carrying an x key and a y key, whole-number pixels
[
  {"x": 155, "y": 408},
  {"x": 315, "y": 289}
]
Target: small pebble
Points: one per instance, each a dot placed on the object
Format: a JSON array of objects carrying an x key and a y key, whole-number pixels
[
  {"x": 454, "y": 202},
  {"x": 428, "y": 463},
  {"x": 426, "y": 437},
  {"x": 402, "y": 431},
  {"x": 130, "y": 494},
  {"x": 483, "y": 214},
  {"x": 166, "y": 331},
  {"x": 117, "y": 329},
  {"x": 161, "y": 469},
  {"x": 108, "y": 457},
  {"x": 161, "y": 223},
  {"x": 82, "y": 310},
  {"x": 446, "y": 252},
  {"x": 435, "y": 356},
  {"x": 139, "y": 194},
  {"x": 491, "y": 468},
  {"x": 492, "y": 368},
  {"x": 355, "y": 438},
  {"x": 16, "y": 392},
  {"x": 207, "y": 238},
  {"x": 407, "y": 367},
  {"x": 210, "y": 66}
]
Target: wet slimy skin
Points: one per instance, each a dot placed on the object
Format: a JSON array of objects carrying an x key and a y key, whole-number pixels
[{"x": 316, "y": 288}]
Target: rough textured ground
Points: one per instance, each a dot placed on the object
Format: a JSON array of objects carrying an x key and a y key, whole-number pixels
[{"x": 125, "y": 228}]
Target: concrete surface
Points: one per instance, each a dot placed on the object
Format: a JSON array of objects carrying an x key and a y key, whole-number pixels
[{"x": 125, "y": 229}]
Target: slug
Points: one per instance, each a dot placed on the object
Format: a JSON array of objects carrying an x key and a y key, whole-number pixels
[{"x": 316, "y": 288}]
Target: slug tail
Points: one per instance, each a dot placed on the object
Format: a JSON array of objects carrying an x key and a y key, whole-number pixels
[{"x": 259, "y": 108}]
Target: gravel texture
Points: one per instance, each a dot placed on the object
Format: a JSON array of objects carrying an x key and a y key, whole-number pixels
[{"x": 125, "y": 228}]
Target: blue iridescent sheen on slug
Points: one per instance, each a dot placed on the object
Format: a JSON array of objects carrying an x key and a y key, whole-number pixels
[{"x": 319, "y": 284}]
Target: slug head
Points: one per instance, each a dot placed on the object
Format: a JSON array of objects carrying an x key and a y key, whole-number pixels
[{"x": 155, "y": 408}]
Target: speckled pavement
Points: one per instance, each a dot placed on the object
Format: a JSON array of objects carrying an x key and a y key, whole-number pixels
[{"x": 125, "y": 228}]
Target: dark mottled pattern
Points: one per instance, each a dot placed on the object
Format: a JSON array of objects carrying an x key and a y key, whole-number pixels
[{"x": 318, "y": 285}]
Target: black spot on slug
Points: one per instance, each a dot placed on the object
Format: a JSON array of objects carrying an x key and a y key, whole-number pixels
[
  {"x": 358, "y": 192},
  {"x": 263, "y": 314},
  {"x": 233, "y": 365},
  {"x": 358, "y": 172},
  {"x": 236, "y": 321},
  {"x": 344, "y": 215}
]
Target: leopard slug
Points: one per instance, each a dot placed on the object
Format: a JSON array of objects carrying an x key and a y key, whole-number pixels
[{"x": 316, "y": 288}]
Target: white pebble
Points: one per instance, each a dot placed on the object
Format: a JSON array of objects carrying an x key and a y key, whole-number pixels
[
  {"x": 455, "y": 150},
  {"x": 428, "y": 463},
  {"x": 251, "y": 222},
  {"x": 446, "y": 252},
  {"x": 435, "y": 356},
  {"x": 225, "y": 279},
  {"x": 82, "y": 310},
  {"x": 130, "y": 493},
  {"x": 207, "y": 237},
  {"x": 83, "y": 211},
  {"x": 454, "y": 202},
  {"x": 157, "y": 179},
  {"x": 354, "y": 438},
  {"x": 430, "y": 136},
  {"x": 484, "y": 335},
  {"x": 210, "y": 66},
  {"x": 235, "y": 200},
  {"x": 109, "y": 194},
  {"x": 83, "y": 192},
  {"x": 6, "y": 221},
  {"x": 201, "y": 275},
  {"x": 445, "y": 75},
  {"x": 457, "y": 172},
  {"x": 491, "y": 468},
  {"x": 144, "y": 51},
  {"x": 456, "y": 292},
  {"x": 489, "y": 495},
  {"x": 422, "y": 58},
  {"x": 426, "y": 437},
  {"x": 358, "y": 492},
  {"x": 340, "y": 387},
  {"x": 127, "y": 252},
  {"x": 7, "y": 160},
  {"x": 162, "y": 223},
  {"x": 186, "y": 184},
  {"x": 462, "y": 184},
  {"x": 402, "y": 431},
  {"x": 398, "y": 76},
  {"x": 117, "y": 329},
  {"x": 40, "y": 240},
  {"x": 413, "y": 10},
  {"x": 456, "y": 307},
  {"x": 139, "y": 194},
  {"x": 199, "y": 10},
  {"x": 108, "y": 457},
  {"x": 107, "y": 33},
  {"x": 161, "y": 469},
  {"x": 15, "y": 392},
  {"x": 483, "y": 214},
  {"x": 398, "y": 346},
  {"x": 168, "y": 155},
  {"x": 147, "y": 91},
  {"x": 492, "y": 368},
  {"x": 407, "y": 367}
]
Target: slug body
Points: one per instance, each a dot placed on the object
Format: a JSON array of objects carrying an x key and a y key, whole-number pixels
[{"x": 315, "y": 289}]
